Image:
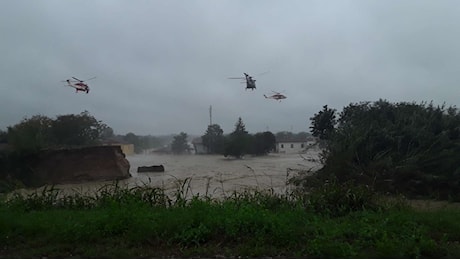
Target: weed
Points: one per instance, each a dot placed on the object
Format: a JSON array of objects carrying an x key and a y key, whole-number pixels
[
  {"x": 337, "y": 221},
  {"x": 339, "y": 199}
]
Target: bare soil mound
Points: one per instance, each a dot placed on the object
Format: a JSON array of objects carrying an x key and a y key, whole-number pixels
[{"x": 98, "y": 163}]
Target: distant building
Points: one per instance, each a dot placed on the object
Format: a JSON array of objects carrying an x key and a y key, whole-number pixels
[
  {"x": 126, "y": 148},
  {"x": 294, "y": 145},
  {"x": 198, "y": 146}
]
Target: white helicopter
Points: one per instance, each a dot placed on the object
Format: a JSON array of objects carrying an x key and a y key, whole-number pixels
[
  {"x": 78, "y": 84},
  {"x": 277, "y": 96}
]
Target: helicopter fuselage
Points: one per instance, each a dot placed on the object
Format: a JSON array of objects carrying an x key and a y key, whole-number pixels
[
  {"x": 250, "y": 83},
  {"x": 276, "y": 97},
  {"x": 78, "y": 86}
]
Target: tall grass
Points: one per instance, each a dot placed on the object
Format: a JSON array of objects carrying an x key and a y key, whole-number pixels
[{"x": 122, "y": 222}]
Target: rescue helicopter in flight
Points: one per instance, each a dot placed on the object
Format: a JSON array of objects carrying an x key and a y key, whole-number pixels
[
  {"x": 277, "y": 96},
  {"x": 78, "y": 84},
  {"x": 250, "y": 81}
]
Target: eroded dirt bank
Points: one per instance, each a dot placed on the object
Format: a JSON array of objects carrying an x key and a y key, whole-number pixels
[{"x": 88, "y": 164}]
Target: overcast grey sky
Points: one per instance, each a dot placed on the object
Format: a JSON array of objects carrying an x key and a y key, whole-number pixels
[{"x": 161, "y": 64}]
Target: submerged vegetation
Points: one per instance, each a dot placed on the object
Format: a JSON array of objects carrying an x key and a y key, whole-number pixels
[{"x": 121, "y": 222}]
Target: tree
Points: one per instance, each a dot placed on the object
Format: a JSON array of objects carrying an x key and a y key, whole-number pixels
[
  {"x": 141, "y": 142},
  {"x": 42, "y": 132},
  {"x": 31, "y": 134},
  {"x": 263, "y": 143},
  {"x": 303, "y": 135},
  {"x": 240, "y": 128},
  {"x": 214, "y": 139},
  {"x": 239, "y": 141},
  {"x": 107, "y": 133},
  {"x": 133, "y": 139},
  {"x": 283, "y": 135},
  {"x": 3, "y": 136},
  {"x": 323, "y": 123},
  {"x": 179, "y": 145},
  {"x": 406, "y": 148},
  {"x": 149, "y": 141},
  {"x": 82, "y": 129}
]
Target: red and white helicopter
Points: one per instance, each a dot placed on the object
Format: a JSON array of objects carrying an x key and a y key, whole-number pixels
[
  {"x": 78, "y": 84},
  {"x": 277, "y": 96}
]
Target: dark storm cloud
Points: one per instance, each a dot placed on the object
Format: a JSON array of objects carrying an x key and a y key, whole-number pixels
[{"x": 161, "y": 64}]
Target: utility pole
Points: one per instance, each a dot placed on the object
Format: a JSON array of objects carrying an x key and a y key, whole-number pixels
[{"x": 210, "y": 115}]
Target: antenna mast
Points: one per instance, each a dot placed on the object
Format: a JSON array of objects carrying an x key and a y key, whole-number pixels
[{"x": 210, "y": 115}]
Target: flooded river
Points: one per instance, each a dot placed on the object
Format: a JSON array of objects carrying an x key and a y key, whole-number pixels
[
  {"x": 212, "y": 175},
  {"x": 216, "y": 175}
]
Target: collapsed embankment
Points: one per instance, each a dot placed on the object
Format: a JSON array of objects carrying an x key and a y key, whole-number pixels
[{"x": 77, "y": 165}]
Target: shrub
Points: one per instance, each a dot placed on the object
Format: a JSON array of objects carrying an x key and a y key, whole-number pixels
[
  {"x": 397, "y": 148},
  {"x": 336, "y": 199}
]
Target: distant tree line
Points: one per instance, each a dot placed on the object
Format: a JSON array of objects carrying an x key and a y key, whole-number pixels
[
  {"x": 239, "y": 142},
  {"x": 142, "y": 143},
  {"x": 25, "y": 140},
  {"x": 407, "y": 148},
  {"x": 236, "y": 144},
  {"x": 38, "y": 132}
]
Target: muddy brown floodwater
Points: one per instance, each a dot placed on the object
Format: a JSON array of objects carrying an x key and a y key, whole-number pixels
[
  {"x": 216, "y": 175},
  {"x": 212, "y": 175}
]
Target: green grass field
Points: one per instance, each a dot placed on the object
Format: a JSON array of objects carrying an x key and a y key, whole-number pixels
[{"x": 144, "y": 223}]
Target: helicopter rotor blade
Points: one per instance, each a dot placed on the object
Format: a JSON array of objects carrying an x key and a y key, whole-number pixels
[
  {"x": 77, "y": 79},
  {"x": 263, "y": 73},
  {"x": 279, "y": 92},
  {"x": 236, "y": 78},
  {"x": 90, "y": 79}
]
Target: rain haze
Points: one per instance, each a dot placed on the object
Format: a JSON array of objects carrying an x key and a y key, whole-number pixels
[{"x": 160, "y": 65}]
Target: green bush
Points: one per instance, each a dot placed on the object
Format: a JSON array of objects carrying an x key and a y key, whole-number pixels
[
  {"x": 397, "y": 148},
  {"x": 336, "y": 199}
]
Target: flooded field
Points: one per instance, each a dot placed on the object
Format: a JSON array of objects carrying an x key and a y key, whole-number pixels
[
  {"x": 212, "y": 175},
  {"x": 216, "y": 175}
]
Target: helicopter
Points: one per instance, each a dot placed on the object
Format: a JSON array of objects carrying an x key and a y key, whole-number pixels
[
  {"x": 78, "y": 84},
  {"x": 250, "y": 82},
  {"x": 277, "y": 96}
]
